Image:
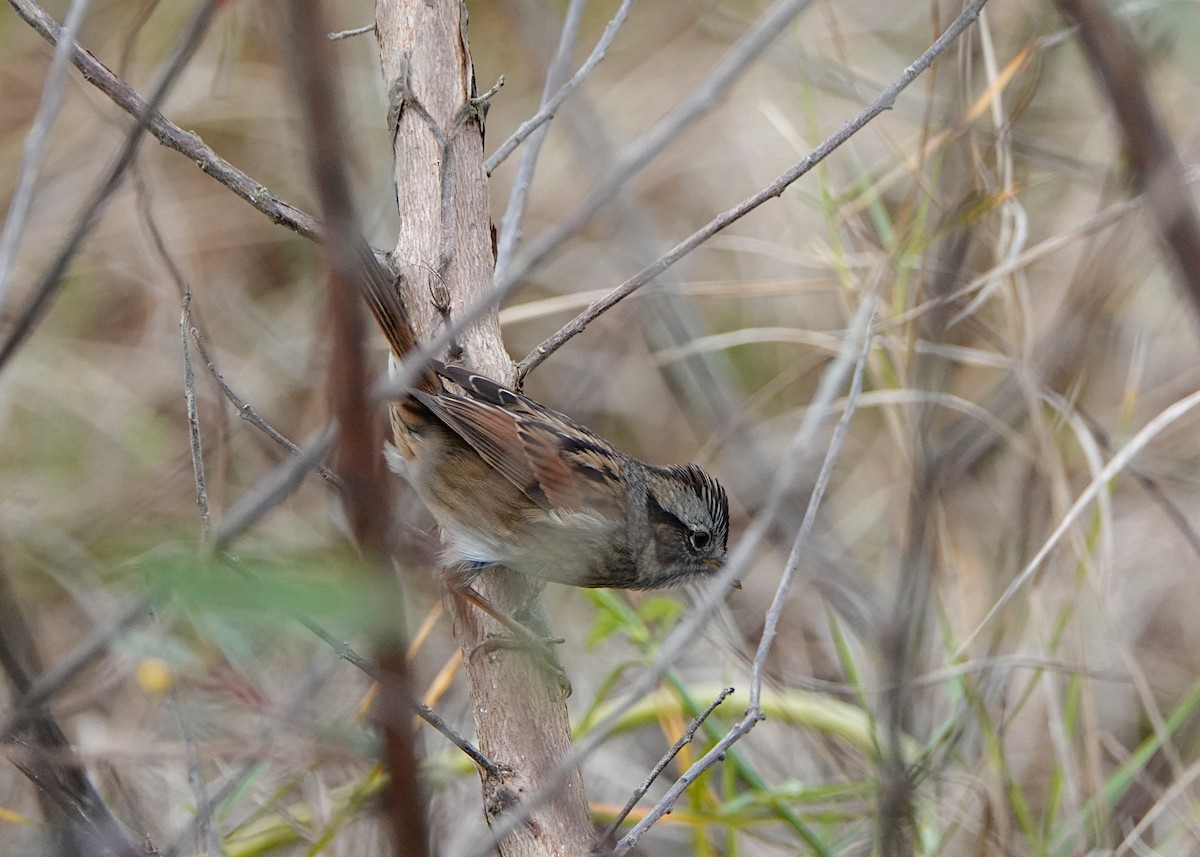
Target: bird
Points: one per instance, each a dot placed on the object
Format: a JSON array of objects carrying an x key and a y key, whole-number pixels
[{"x": 513, "y": 483}]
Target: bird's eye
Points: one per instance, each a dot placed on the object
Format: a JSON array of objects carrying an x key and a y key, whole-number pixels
[{"x": 700, "y": 539}]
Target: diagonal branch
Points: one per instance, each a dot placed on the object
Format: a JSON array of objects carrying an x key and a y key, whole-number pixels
[
  {"x": 649, "y": 145},
  {"x": 862, "y": 326},
  {"x": 170, "y": 135},
  {"x": 883, "y": 102},
  {"x": 42, "y": 752}
]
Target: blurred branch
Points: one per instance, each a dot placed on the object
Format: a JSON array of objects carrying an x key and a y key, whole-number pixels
[
  {"x": 1164, "y": 420},
  {"x": 269, "y": 493},
  {"x": 1157, "y": 170},
  {"x": 189, "y": 39},
  {"x": 360, "y": 465},
  {"x": 206, "y": 834},
  {"x": 73, "y": 807},
  {"x": 250, "y": 764},
  {"x": 1150, "y": 485},
  {"x": 883, "y": 102},
  {"x": 274, "y": 488},
  {"x": 40, "y": 690},
  {"x": 348, "y": 654}
]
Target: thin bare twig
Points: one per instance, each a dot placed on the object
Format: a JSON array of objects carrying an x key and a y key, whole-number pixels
[
  {"x": 510, "y": 223},
  {"x": 35, "y": 146},
  {"x": 863, "y": 322},
  {"x": 793, "y": 462},
  {"x": 189, "y": 375},
  {"x": 273, "y": 489},
  {"x": 246, "y": 411},
  {"x": 550, "y": 107},
  {"x": 171, "y": 135},
  {"x": 193, "y": 417},
  {"x": 189, "y": 39},
  {"x": 205, "y": 832},
  {"x": 348, "y": 654},
  {"x": 635, "y": 156},
  {"x": 883, "y": 102},
  {"x": 684, "y": 740},
  {"x": 645, "y": 148},
  {"x": 354, "y": 31}
]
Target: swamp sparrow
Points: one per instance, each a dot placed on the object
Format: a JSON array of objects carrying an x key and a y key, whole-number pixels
[{"x": 513, "y": 483}]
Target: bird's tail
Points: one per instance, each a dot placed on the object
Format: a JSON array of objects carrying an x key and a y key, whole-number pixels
[{"x": 382, "y": 293}]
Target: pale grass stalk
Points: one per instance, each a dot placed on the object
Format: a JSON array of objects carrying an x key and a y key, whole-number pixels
[
  {"x": 1132, "y": 843},
  {"x": 1166, "y": 419},
  {"x": 1101, "y": 584},
  {"x": 35, "y": 144}
]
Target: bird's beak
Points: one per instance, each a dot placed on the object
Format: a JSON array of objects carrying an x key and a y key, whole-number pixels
[{"x": 717, "y": 565}]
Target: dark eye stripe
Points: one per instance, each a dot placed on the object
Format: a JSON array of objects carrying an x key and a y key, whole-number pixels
[{"x": 658, "y": 515}]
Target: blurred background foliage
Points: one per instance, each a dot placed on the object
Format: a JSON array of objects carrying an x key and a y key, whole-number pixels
[{"x": 996, "y": 184}]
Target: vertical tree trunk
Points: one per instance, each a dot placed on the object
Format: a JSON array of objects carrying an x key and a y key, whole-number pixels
[{"x": 445, "y": 252}]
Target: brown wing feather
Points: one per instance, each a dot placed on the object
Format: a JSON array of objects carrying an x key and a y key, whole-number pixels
[
  {"x": 597, "y": 471},
  {"x": 491, "y": 432},
  {"x": 523, "y": 443},
  {"x": 555, "y": 473}
]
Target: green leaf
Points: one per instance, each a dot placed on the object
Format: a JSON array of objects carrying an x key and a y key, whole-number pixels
[
  {"x": 664, "y": 612},
  {"x": 606, "y": 624}
]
